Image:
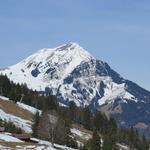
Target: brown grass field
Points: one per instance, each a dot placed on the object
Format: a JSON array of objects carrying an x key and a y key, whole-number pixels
[{"x": 11, "y": 108}]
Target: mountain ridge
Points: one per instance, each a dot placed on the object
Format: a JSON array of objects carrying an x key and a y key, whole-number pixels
[{"x": 72, "y": 74}]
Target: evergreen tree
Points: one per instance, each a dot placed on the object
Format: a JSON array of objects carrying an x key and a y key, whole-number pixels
[
  {"x": 100, "y": 122},
  {"x": 110, "y": 135},
  {"x": 72, "y": 111},
  {"x": 95, "y": 141},
  {"x": 87, "y": 118},
  {"x": 72, "y": 143},
  {"x": 51, "y": 102},
  {"x": 10, "y": 127},
  {"x": 36, "y": 120},
  {"x": 145, "y": 143},
  {"x": 5, "y": 85}
]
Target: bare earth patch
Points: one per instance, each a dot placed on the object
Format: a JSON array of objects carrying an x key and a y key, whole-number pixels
[{"x": 11, "y": 108}]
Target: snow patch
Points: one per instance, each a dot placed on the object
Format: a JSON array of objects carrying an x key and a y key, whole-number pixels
[
  {"x": 114, "y": 91},
  {"x": 29, "y": 108},
  {"x": 19, "y": 122},
  {"x": 81, "y": 134},
  {"x": 8, "y": 138},
  {"x": 4, "y": 98}
]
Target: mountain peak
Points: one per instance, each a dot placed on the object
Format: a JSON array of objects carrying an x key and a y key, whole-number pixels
[
  {"x": 68, "y": 51},
  {"x": 72, "y": 74},
  {"x": 73, "y": 44},
  {"x": 64, "y": 47},
  {"x": 49, "y": 63},
  {"x": 68, "y": 47},
  {"x": 70, "y": 44}
]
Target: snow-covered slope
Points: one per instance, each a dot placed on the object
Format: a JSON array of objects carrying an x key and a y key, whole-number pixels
[
  {"x": 29, "y": 108},
  {"x": 18, "y": 118},
  {"x": 7, "y": 137},
  {"x": 20, "y": 145},
  {"x": 73, "y": 74},
  {"x": 48, "y": 67},
  {"x": 19, "y": 122},
  {"x": 81, "y": 134}
]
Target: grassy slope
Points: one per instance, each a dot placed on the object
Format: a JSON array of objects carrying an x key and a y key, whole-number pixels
[{"x": 11, "y": 108}]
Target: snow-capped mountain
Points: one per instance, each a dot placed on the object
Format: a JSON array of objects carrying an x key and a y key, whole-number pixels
[
  {"x": 48, "y": 67},
  {"x": 73, "y": 74}
]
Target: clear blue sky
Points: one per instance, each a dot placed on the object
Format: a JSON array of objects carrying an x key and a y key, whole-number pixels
[{"x": 116, "y": 31}]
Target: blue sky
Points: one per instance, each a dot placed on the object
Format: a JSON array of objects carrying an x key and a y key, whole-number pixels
[{"x": 116, "y": 31}]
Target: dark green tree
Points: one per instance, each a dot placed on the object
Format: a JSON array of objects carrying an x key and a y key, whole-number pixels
[
  {"x": 100, "y": 122},
  {"x": 36, "y": 120},
  {"x": 87, "y": 118},
  {"x": 145, "y": 143},
  {"x": 95, "y": 141},
  {"x": 72, "y": 111}
]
